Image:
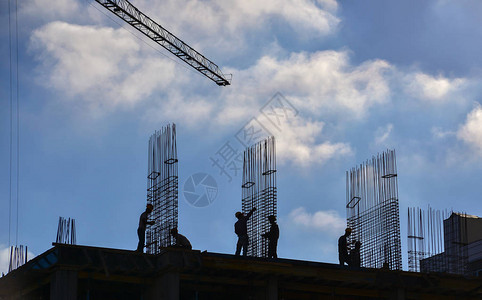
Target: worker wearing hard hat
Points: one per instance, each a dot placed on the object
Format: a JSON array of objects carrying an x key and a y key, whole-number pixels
[
  {"x": 272, "y": 235},
  {"x": 141, "y": 231},
  {"x": 241, "y": 230},
  {"x": 343, "y": 248}
]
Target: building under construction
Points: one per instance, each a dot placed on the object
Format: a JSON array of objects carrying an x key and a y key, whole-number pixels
[
  {"x": 162, "y": 188},
  {"x": 373, "y": 211},
  {"x": 446, "y": 242},
  {"x": 259, "y": 190},
  {"x": 71, "y": 272}
]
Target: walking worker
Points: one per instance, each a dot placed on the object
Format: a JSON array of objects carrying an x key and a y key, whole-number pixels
[
  {"x": 241, "y": 229},
  {"x": 343, "y": 248},
  {"x": 272, "y": 235},
  {"x": 181, "y": 241},
  {"x": 141, "y": 231}
]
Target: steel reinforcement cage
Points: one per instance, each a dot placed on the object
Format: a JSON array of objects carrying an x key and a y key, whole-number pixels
[
  {"x": 438, "y": 241},
  {"x": 162, "y": 188},
  {"x": 373, "y": 211},
  {"x": 259, "y": 190}
]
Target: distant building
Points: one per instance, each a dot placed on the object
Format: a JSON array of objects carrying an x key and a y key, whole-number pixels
[{"x": 463, "y": 247}]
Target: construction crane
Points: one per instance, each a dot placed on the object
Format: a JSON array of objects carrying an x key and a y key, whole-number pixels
[{"x": 130, "y": 14}]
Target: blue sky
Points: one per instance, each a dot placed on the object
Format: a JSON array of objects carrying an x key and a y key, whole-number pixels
[{"x": 363, "y": 77}]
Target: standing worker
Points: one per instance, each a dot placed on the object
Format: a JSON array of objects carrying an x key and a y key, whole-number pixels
[
  {"x": 181, "y": 241},
  {"x": 141, "y": 231},
  {"x": 272, "y": 235},
  {"x": 355, "y": 260},
  {"x": 343, "y": 248},
  {"x": 241, "y": 229}
]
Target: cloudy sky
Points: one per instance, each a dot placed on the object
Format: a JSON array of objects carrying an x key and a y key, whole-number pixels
[{"x": 360, "y": 77}]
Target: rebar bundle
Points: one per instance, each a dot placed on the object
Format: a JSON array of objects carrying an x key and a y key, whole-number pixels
[
  {"x": 437, "y": 241},
  {"x": 425, "y": 235},
  {"x": 162, "y": 188},
  {"x": 373, "y": 211},
  {"x": 66, "y": 231},
  {"x": 18, "y": 257},
  {"x": 259, "y": 190}
]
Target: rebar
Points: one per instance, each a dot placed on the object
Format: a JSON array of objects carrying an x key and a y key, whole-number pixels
[
  {"x": 162, "y": 188},
  {"x": 442, "y": 241},
  {"x": 18, "y": 257},
  {"x": 66, "y": 232},
  {"x": 373, "y": 211},
  {"x": 259, "y": 190}
]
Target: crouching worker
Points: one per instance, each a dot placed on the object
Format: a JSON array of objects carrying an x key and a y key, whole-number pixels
[{"x": 181, "y": 241}]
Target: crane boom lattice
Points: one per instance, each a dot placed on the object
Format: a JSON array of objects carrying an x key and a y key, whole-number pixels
[{"x": 133, "y": 16}]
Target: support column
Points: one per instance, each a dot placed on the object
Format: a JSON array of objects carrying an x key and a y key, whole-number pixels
[
  {"x": 165, "y": 287},
  {"x": 398, "y": 294},
  {"x": 273, "y": 288},
  {"x": 63, "y": 285}
]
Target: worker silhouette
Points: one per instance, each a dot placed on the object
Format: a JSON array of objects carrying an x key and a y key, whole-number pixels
[
  {"x": 241, "y": 229},
  {"x": 343, "y": 248},
  {"x": 272, "y": 235},
  {"x": 181, "y": 241},
  {"x": 355, "y": 261},
  {"x": 141, "y": 231}
]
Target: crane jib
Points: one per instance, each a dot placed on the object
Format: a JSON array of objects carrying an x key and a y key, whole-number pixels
[{"x": 134, "y": 17}]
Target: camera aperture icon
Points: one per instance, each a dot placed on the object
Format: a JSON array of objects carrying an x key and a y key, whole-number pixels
[{"x": 200, "y": 190}]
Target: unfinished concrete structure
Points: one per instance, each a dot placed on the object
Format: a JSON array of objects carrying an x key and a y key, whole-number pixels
[
  {"x": 259, "y": 190},
  {"x": 162, "y": 188},
  {"x": 373, "y": 211},
  {"x": 71, "y": 272},
  {"x": 444, "y": 242}
]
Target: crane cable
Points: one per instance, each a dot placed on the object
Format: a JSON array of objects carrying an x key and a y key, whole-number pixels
[{"x": 17, "y": 131}]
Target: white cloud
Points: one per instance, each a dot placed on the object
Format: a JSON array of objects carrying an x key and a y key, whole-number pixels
[
  {"x": 225, "y": 25},
  {"x": 49, "y": 9},
  {"x": 101, "y": 66},
  {"x": 319, "y": 82},
  {"x": 471, "y": 131},
  {"x": 382, "y": 134},
  {"x": 5, "y": 258},
  {"x": 440, "y": 133},
  {"x": 431, "y": 88},
  {"x": 297, "y": 142},
  {"x": 327, "y": 221}
]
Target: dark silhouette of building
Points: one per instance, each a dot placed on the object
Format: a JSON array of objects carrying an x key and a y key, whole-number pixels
[
  {"x": 462, "y": 240},
  {"x": 68, "y": 272}
]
